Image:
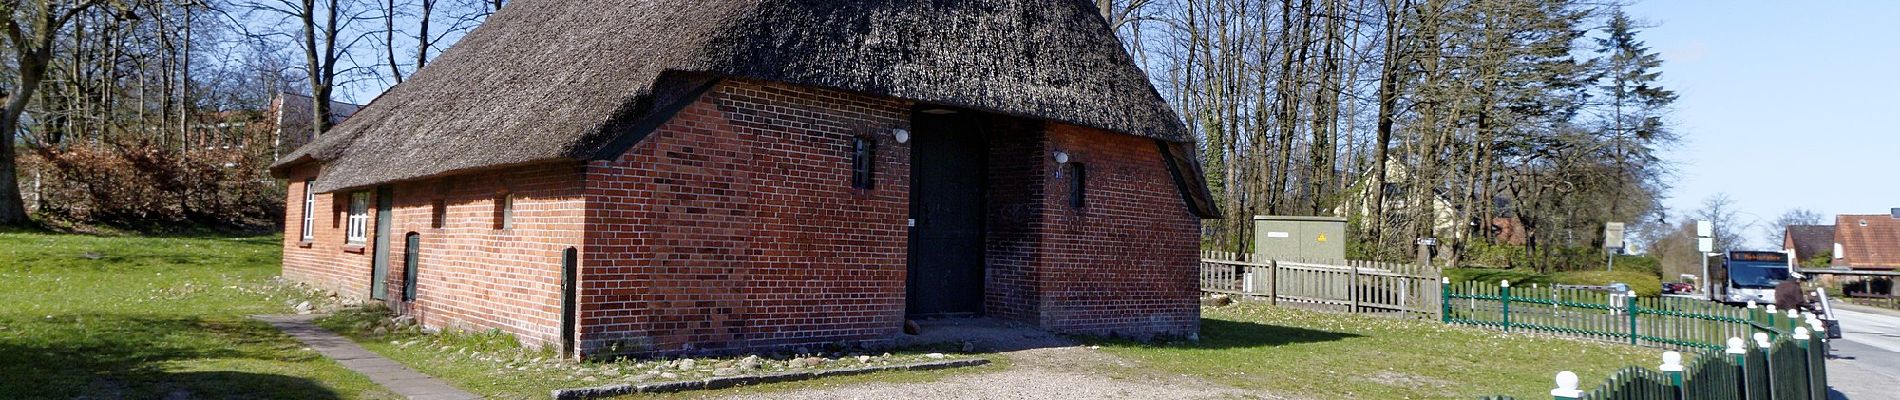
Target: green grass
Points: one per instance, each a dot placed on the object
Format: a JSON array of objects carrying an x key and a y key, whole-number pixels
[
  {"x": 1335, "y": 356},
  {"x": 495, "y": 365},
  {"x": 129, "y": 317}
]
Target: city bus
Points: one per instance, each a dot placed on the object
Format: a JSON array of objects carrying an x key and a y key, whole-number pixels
[{"x": 1745, "y": 276}]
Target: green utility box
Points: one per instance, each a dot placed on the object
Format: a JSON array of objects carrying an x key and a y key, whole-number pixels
[{"x": 1299, "y": 238}]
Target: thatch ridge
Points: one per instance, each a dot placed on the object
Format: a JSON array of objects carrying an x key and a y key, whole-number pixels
[{"x": 545, "y": 80}]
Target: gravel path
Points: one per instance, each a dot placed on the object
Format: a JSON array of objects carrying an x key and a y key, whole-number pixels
[{"x": 1043, "y": 367}]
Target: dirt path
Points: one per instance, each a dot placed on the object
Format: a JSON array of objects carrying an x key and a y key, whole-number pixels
[{"x": 1042, "y": 367}]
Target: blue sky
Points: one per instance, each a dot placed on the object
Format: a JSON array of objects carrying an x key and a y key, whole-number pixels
[{"x": 1783, "y": 104}]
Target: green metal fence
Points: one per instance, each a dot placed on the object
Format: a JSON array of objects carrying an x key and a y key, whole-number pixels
[{"x": 1782, "y": 361}]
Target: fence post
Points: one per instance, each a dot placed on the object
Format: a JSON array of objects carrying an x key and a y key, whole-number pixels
[
  {"x": 1794, "y": 319},
  {"x": 1817, "y": 359},
  {"x": 1566, "y": 387},
  {"x": 1444, "y": 299},
  {"x": 1801, "y": 338},
  {"x": 1738, "y": 351},
  {"x": 1273, "y": 282},
  {"x": 1352, "y": 288},
  {"x": 1672, "y": 366},
  {"x": 1504, "y": 298},
  {"x": 1629, "y": 307},
  {"x": 1767, "y": 346}
]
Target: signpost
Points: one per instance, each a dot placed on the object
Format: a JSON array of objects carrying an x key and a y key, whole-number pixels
[
  {"x": 1612, "y": 241},
  {"x": 1704, "y": 244}
]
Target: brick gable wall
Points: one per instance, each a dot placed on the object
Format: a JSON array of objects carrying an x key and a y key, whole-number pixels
[{"x": 734, "y": 225}]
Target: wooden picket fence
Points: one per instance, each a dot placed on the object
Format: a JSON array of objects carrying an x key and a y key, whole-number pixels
[
  {"x": 1785, "y": 361},
  {"x": 1347, "y": 286}
]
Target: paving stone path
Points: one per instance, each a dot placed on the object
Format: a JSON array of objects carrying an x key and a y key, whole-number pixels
[{"x": 393, "y": 376}]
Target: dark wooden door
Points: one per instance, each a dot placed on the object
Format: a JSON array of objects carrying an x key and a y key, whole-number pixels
[
  {"x": 411, "y": 259},
  {"x": 379, "y": 263},
  {"x": 946, "y": 244}
]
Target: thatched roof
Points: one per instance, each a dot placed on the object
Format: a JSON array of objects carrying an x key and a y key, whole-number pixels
[{"x": 545, "y": 80}]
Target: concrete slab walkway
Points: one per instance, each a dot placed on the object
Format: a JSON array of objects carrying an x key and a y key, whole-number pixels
[{"x": 395, "y": 377}]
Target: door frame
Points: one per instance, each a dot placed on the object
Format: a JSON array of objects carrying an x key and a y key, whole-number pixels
[
  {"x": 379, "y": 260},
  {"x": 946, "y": 125}
]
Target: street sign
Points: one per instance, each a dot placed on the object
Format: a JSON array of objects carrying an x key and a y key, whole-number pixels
[
  {"x": 1613, "y": 235},
  {"x": 1704, "y": 229},
  {"x": 1705, "y": 244}
]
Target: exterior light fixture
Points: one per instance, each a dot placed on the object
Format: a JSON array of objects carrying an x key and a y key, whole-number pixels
[
  {"x": 903, "y": 135},
  {"x": 1062, "y": 157}
]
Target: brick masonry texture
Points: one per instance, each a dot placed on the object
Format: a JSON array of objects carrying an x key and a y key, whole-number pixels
[
  {"x": 734, "y": 226},
  {"x": 471, "y": 275}
]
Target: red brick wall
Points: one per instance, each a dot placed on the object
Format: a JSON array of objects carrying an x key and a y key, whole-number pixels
[
  {"x": 471, "y": 275},
  {"x": 734, "y": 225},
  {"x": 1126, "y": 263},
  {"x": 1013, "y": 238}
]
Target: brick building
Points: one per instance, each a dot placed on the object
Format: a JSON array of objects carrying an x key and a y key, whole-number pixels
[{"x": 706, "y": 176}]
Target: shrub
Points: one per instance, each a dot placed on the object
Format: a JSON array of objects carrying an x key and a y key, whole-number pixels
[
  {"x": 1643, "y": 283},
  {"x": 141, "y": 185},
  {"x": 1493, "y": 275}
]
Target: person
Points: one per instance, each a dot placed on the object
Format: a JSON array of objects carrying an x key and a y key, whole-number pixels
[{"x": 1788, "y": 295}]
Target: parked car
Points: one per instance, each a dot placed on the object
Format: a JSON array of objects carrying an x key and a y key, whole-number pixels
[{"x": 1678, "y": 288}]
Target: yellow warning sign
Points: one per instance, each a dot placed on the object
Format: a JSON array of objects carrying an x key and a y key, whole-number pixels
[{"x": 1322, "y": 237}]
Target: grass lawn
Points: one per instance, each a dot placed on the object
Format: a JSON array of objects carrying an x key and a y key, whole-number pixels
[
  {"x": 1320, "y": 355},
  {"x": 494, "y": 365},
  {"x": 130, "y": 317}
]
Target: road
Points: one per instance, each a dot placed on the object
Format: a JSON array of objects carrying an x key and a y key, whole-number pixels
[{"x": 1866, "y": 360}]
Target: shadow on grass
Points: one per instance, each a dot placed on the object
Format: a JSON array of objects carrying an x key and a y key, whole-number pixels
[
  {"x": 1217, "y": 334},
  {"x": 120, "y": 356}
]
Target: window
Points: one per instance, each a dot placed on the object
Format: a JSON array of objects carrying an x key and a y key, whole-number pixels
[
  {"x": 505, "y": 211},
  {"x": 863, "y": 162},
  {"x": 439, "y": 214},
  {"x": 1078, "y": 185},
  {"x": 358, "y": 230},
  {"x": 309, "y": 233}
]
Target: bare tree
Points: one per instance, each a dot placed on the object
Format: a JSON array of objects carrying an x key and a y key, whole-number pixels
[{"x": 31, "y": 29}]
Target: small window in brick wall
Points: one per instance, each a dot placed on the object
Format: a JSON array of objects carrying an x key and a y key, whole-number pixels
[
  {"x": 439, "y": 214},
  {"x": 1078, "y": 185},
  {"x": 863, "y": 162},
  {"x": 358, "y": 231},
  {"x": 505, "y": 211}
]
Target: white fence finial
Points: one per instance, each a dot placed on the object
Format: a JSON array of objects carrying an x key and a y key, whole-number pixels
[
  {"x": 1566, "y": 386},
  {"x": 1771, "y": 310},
  {"x": 1672, "y": 362},
  {"x": 1801, "y": 333},
  {"x": 1737, "y": 346},
  {"x": 1505, "y": 283},
  {"x": 1752, "y": 305},
  {"x": 1761, "y": 340}
]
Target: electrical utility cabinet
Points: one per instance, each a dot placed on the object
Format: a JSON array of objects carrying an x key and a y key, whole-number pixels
[{"x": 1299, "y": 238}]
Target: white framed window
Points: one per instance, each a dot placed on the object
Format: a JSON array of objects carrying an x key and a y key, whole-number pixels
[
  {"x": 358, "y": 231},
  {"x": 309, "y": 233}
]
